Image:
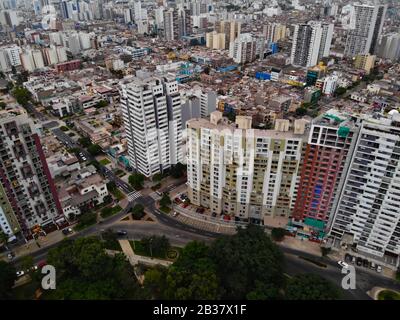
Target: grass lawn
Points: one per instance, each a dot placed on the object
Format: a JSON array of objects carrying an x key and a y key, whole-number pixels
[
  {"x": 112, "y": 245},
  {"x": 172, "y": 253},
  {"x": 117, "y": 194},
  {"x": 165, "y": 209},
  {"x": 86, "y": 220},
  {"x": 109, "y": 211},
  {"x": 388, "y": 295},
  {"x": 104, "y": 161}
]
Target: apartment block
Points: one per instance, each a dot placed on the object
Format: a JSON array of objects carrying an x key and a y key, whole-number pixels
[
  {"x": 368, "y": 213},
  {"x": 368, "y": 24},
  {"x": 327, "y": 157},
  {"x": 152, "y": 115},
  {"x": 245, "y": 173},
  {"x": 25, "y": 178}
]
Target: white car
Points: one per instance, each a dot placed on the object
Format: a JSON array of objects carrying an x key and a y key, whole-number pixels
[
  {"x": 343, "y": 264},
  {"x": 84, "y": 158},
  {"x": 175, "y": 214},
  {"x": 378, "y": 269},
  {"x": 20, "y": 273}
]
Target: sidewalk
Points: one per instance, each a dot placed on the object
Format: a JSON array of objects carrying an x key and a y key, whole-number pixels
[
  {"x": 33, "y": 246},
  {"x": 135, "y": 259},
  {"x": 301, "y": 245}
]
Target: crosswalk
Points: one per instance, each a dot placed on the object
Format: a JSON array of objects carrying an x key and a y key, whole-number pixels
[
  {"x": 134, "y": 195},
  {"x": 155, "y": 196}
]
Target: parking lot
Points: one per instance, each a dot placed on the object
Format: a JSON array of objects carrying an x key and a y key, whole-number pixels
[{"x": 362, "y": 262}]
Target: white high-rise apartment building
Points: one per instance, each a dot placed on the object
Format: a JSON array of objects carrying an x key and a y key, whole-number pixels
[
  {"x": 152, "y": 115},
  {"x": 368, "y": 211},
  {"x": 243, "y": 48},
  {"x": 363, "y": 38},
  {"x": 246, "y": 173},
  {"x": 311, "y": 42},
  {"x": 389, "y": 47},
  {"x": 5, "y": 65},
  {"x": 13, "y": 55},
  {"x": 170, "y": 21}
]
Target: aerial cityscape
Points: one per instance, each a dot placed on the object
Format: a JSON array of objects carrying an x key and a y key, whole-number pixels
[{"x": 199, "y": 150}]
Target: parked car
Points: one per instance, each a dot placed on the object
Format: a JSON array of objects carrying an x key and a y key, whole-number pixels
[
  {"x": 185, "y": 205},
  {"x": 175, "y": 214},
  {"x": 372, "y": 266},
  {"x": 122, "y": 232},
  {"x": 365, "y": 263},
  {"x": 359, "y": 261},
  {"x": 177, "y": 200},
  {"x": 20, "y": 273},
  {"x": 10, "y": 256},
  {"x": 378, "y": 268},
  {"x": 353, "y": 260},
  {"x": 214, "y": 214},
  {"x": 200, "y": 210},
  {"x": 343, "y": 264},
  {"x": 67, "y": 231},
  {"x": 42, "y": 263}
]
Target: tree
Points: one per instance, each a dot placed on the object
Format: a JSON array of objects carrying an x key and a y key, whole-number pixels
[
  {"x": 22, "y": 95},
  {"x": 107, "y": 199},
  {"x": 136, "y": 180},
  {"x": 155, "y": 280},
  {"x": 157, "y": 177},
  {"x": 138, "y": 211},
  {"x": 340, "y": 91},
  {"x": 64, "y": 128},
  {"x": 193, "y": 276},
  {"x": 301, "y": 111},
  {"x": 111, "y": 186},
  {"x": 246, "y": 262},
  {"x": 101, "y": 104},
  {"x": 85, "y": 271},
  {"x": 165, "y": 201},
  {"x": 278, "y": 234},
  {"x": 310, "y": 287},
  {"x": 7, "y": 279},
  {"x": 155, "y": 245},
  {"x": 94, "y": 149},
  {"x": 84, "y": 142}
]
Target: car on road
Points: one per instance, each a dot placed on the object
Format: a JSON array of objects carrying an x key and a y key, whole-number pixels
[
  {"x": 359, "y": 261},
  {"x": 42, "y": 263},
  {"x": 365, "y": 263},
  {"x": 84, "y": 158},
  {"x": 67, "y": 231},
  {"x": 378, "y": 268},
  {"x": 343, "y": 264},
  {"x": 10, "y": 256},
  {"x": 122, "y": 232},
  {"x": 20, "y": 273}
]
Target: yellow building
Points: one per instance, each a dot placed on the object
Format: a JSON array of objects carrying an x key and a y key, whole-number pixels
[
  {"x": 365, "y": 62},
  {"x": 215, "y": 40}
]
